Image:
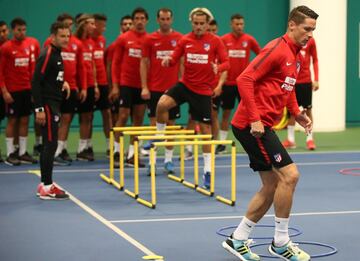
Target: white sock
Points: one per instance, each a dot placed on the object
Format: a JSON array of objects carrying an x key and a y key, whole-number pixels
[
  {"x": 223, "y": 134},
  {"x": 291, "y": 133},
  {"x": 131, "y": 151},
  {"x": 168, "y": 155},
  {"x": 160, "y": 126},
  {"x": 10, "y": 146},
  {"x": 59, "y": 148},
  {"x": 88, "y": 143},
  {"x": 38, "y": 140},
  {"x": 281, "y": 231},
  {"x": 309, "y": 136},
  {"x": 65, "y": 144},
  {"x": 82, "y": 145},
  {"x": 116, "y": 146},
  {"x": 189, "y": 148},
  {"x": 207, "y": 162},
  {"x": 22, "y": 145},
  {"x": 244, "y": 229}
]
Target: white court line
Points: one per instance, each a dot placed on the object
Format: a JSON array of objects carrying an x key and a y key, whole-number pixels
[
  {"x": 106, "y": 222},
  {"x": 82, "y": 170},
  {"x": 230, "y": 217}
]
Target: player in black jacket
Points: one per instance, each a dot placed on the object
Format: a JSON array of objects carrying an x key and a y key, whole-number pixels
[{"x": 47, "y": 87}]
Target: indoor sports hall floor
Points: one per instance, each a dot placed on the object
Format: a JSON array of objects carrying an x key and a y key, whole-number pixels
[{"x": 102, "y": 223}]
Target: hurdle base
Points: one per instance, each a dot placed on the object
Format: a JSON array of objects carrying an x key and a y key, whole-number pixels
[
  {"x": 131, "y": 194},
  {"x": 225, "y": 201},
  {"x": 189, "y": 184},
  {"x": 105, "y": 178},
  {"x": 175, "y": 178},
  {"x": 146, "y": 203},
  {"x": 111, "y": 181},
  {"x": 204, "y": 191}
]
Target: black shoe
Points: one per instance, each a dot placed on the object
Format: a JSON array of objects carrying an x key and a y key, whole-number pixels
[
  {"x": 59, "y": 161},
  {"x": 16, "y": 152},
  {"x": 1, "y": 159},
  {"x": 116, "y": 160},
  {"x": 83, "y": 156},
  {"x": 220, "y": 149},
  {"x": 130, "y": 163},
  {"x": 27, "y": 159},
  {"x": 65, "y": 155},
  {"x": 107, "y": 153},
  {"x": 37, "y": 150},
  {"x": 12, "y": 160},
  {"x": 90, "y": 153}
]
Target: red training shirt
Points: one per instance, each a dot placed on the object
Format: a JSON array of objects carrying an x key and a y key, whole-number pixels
[{"x": 99, "y": 49}]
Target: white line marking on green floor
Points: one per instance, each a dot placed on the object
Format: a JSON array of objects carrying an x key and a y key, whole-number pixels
[
  {"x": 104, "y": 221},
  {"x": 230, "y": 217}
]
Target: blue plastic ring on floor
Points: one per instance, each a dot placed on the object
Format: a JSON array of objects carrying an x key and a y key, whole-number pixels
[
  {"x": 296, "y": 231},
  {"x": 332, "y": 252}
]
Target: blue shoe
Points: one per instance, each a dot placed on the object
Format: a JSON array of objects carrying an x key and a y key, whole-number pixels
[
  {"x": 206, "y": 180},
  {"x": 240, "y": 249},
  {"x": 169, "y": 167},
  {"x": 148, "y": 170},
  {"x": 147, "y": 145},
  {"x": 290, "y": 251}
]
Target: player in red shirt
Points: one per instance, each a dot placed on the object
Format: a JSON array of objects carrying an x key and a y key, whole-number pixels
[
  {"x": 126, "y": 77},
  {"x": 75, "y": 77},
  {"x": 155, "y": 79},
  {"x": 125, "y": 25},
  {"x": 4, "y": 34},
  {"x": 239, "y": 46},
  {"x": 84, "y": 31},
  {"x": 102, "y": 103},
  {"x": 304, "y": 87},
  {"x": 202, "y": 51},
  {"x": 266, "y": 87},
  {"x": 15, "y": 76}
]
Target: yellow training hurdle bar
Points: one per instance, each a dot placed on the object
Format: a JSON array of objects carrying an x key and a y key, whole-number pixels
[
  {"x": 222, "y": 199},
  {"x": 137, "y": 130},
  {"x": 135, "y": 194}
]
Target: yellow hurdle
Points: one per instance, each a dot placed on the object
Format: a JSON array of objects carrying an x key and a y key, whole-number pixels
[
  {"x": 111, "y": 178},
  {"x": 135, "y": 193},
  {"x": 222, "y": 199}
]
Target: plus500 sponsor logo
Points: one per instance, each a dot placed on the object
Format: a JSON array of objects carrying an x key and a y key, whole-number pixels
[{"x": 288, "y": 84}]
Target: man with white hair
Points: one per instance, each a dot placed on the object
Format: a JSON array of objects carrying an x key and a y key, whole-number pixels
[{"x": 200, "y": 50}]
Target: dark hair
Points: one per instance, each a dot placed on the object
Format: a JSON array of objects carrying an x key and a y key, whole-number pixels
[
  {"x": 299, "y": 13},
  {"x": 101, "y": 17},
  {"x": 165, "y": 10},
  {"x": 125, "y": 17},
  {"x": 58, "y": 25},
  {"x": 213, "y": 22},
  {"x": 140, "y": 10},
  {"x": 236, "y": 16},
  {"x": 17, "y": 21},
  {"x": 2, "y": 23},
  {"x": 64, "y": 16}
]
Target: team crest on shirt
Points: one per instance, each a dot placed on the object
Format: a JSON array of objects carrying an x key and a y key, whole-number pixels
[
  {"x": 298, "y": 65},
  {"x": 206, "y": 47},
  {"x": 278, "y": 157},
  {"x": 101, "y": 45},
  {"x": 173, "y": 43},
  {"x": 74, "y": 47},
  {"x": 90, "y": 47},
  {"x": 27, "y": 51},
  {"x": 244, "y": 44},
  {"x": 32, "y": 47}
]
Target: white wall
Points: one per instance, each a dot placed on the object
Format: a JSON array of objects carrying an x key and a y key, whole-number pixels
[{"x": 330, "y": 36}]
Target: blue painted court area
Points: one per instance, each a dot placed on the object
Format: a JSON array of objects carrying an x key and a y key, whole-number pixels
[{"x": 102, "y": 223}]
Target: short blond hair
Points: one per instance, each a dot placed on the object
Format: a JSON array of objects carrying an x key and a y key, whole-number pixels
[{"x": 201, "y": 11}]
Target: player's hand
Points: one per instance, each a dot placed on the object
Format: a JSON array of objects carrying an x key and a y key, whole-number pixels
[
  {"x": 145, "y": 93},
  {"x": 215, "y": 68},
  {"x": 7, "y": 97},
  {"x": 315, "y": 86},
  {"x": 66, "y": 88},
  {"x": 304, "y": 121},
  {"x": 165, "y": 62},
  {"x": 97, "y": 93},
  {"x": 114, "y": 93},
  {"x": 257, "y": 129},
  {"x": 40, "y": 118},
  {"x": 217, "y": 91},
  {"x": 82, "y": 95}
]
